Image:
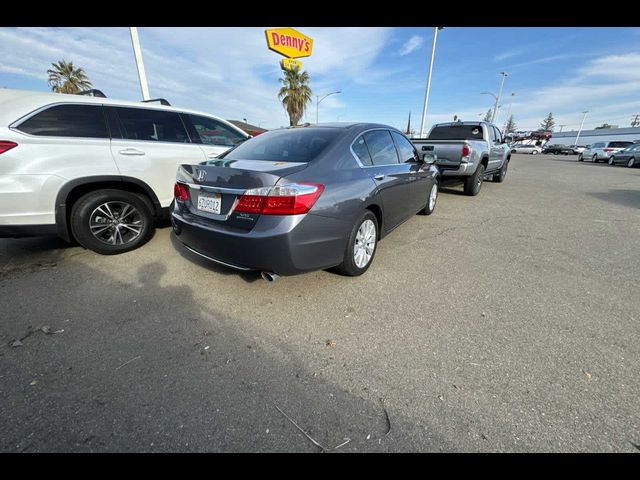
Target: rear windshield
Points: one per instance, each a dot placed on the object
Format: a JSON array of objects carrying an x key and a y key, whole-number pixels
[
  {"x": 286, "y": 145},
  {"x": 456, "y": 132},
  {"x": 620, "y": 144}
]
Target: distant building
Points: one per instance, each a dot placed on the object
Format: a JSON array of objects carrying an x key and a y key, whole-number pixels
[
  {"x": 587, "y": 137},
  {"x": 247, "y": 127}
]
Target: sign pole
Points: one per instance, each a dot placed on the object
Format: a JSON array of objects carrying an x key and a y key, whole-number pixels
[{"x": 138, "y": 54}]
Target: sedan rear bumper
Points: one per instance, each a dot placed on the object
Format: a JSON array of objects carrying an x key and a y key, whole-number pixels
[{"x": 286, "y": 245}]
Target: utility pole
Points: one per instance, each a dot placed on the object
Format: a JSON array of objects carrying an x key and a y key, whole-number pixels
[
  {"x": 426, "y": 93},
  {"x": 138, "y": 54},
  {"x": 581, "y": 125},
  {"x": 561, "y": 126},
  {"x": 495, "y": 110},
  {"x": 635, "y": 122}
]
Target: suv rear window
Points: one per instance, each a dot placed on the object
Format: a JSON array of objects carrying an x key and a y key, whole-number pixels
[
  {"x": 620, "y": 144},
  {"x": 456, "y": 132},
  {"x": 84, "y": 121},
  {"x": 286, "y": 145}
]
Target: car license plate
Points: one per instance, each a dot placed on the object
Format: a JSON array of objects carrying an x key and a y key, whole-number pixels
[{"x": 209, "y": 202}]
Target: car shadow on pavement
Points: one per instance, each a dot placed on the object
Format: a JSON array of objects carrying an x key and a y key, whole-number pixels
[
  {"x": 627, "y": 198},
  {"x": 140, "y": 365}
]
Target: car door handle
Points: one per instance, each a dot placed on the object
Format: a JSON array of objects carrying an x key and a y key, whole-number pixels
[
  {"x": 131, "y": 151},
  {"x": 379, "y": 177}
]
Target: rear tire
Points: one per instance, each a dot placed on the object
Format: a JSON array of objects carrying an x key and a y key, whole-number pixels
[
  {"x": 110, "y": 222},
  {"x": 611, "y": 161},
  {"x": 502, "y": 173},
  {"x": 349, "y": 267},
  {"x": 473, "y": 183},
  {"x": 535, "y": 152},
  {"x": 594, "y": 159}
]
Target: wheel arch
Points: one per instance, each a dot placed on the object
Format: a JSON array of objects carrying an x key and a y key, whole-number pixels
[
  {"x": 74, "y": 189},
  {"x": 377, "y": 211}
]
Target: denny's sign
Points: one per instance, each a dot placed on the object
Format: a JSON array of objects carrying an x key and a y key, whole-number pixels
[{"x": 289, "y": 43}]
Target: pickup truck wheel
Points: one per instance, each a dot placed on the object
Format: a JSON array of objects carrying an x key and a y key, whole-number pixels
[
  {"x": 431, "y": 202},
  {"x": 502, "y": 173},
  {"x": 111, "y": 221},
  {"x": 473, "y": 183}
]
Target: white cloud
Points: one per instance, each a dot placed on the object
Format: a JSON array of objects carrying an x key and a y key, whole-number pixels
[
  {"x": 411, "y": 45},
  {"x": 508, "y": 54}
]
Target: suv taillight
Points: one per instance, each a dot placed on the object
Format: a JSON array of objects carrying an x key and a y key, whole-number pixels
[
  {"x": 181, "y": 192},
  {"x": 466, "y": 151},
  {"x": 607, "y": 149},
  {"x": 6, "y": 145},
  {"x": 289, "y": 199}
]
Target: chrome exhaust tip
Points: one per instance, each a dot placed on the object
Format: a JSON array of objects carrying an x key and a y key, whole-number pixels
[{"x": 269, "y": 276}]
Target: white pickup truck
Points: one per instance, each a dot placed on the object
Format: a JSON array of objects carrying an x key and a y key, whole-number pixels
[{"x": 467, "y": 151}]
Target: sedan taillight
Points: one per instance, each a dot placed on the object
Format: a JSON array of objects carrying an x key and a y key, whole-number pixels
[
  {"x": 289, "y": 199},
  {"x": 181, "y": 192},
  {"x": 6, "y": 145}
]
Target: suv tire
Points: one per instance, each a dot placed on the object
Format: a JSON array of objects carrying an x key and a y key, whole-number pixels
[{"x": 110, "y": 221}]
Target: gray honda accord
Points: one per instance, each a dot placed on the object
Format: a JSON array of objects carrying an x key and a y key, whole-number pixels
[{"x": 303, "y": 198}]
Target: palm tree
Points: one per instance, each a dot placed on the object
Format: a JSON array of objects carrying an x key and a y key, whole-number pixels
[
  {"x": 295, "y": 94},
  {"x": 65, "y": 78}
]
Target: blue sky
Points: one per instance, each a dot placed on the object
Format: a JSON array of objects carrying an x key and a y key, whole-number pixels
[{"x": 380, "y": 71}]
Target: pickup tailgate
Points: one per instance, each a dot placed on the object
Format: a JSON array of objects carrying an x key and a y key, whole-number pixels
[{"x": 448, "y": 152}]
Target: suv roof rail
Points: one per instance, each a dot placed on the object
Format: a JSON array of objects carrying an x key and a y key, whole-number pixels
[
  {"x": 93, "y": 93},
  {"x": 161, "y": 100}
]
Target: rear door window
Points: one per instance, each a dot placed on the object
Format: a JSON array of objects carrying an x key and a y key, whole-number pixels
[
  {"x": 381, "y": 147},
  {"x": 362, "y": 152},
  {"x": 212, "y": 132},
  {"x": 152, "y": 125},
  {"x": 405, "y": 148},
  {"x": 81, "y": 121}
]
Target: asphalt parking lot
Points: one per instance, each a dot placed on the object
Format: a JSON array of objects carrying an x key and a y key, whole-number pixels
[{"x": 504, "y": 322}]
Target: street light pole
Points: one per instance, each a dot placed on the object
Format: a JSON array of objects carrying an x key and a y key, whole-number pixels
[
  {"x": 495, "y": 110},
  {"x": 138, "y": 54},
  {"x": 320, "y": 99},
  {"x": 426, "y": 93},
  {"x": 581, "y": 125}
]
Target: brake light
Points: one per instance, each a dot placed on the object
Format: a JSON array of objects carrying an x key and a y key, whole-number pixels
[
  {"x": 466, "y": 150},
  {"x": 6, "y": 145},
  {"x": 607, "y": 149},
  {"x": 181, "y": 192},
  {"x": 289, "y": 199}
]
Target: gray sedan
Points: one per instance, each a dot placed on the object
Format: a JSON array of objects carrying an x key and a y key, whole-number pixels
[{"x": 303, "y": 198}]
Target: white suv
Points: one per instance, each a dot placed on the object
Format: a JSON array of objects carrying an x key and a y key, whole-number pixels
[{"x": 96, "y": 169}]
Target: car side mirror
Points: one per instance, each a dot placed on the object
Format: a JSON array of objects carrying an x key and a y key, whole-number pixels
[{"x": 429, "y": 158}]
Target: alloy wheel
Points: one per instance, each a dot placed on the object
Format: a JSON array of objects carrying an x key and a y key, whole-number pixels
[
  {"x": 116, "y": 223},
  {"x": 365, "y": 244}
]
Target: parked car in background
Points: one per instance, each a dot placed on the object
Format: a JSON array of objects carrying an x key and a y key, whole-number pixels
[
  {"x": 558, "y": 150},
  {"x": 627, "y": 156},
  {"x": 96, "y": 170},
  {"x": 303, "y": 198},
  {"x": 578, "y": 149},
  {"x": 525, "y": 148},
  {"x": 602, "y": 150},
  {"x": 467, "y": 151}
]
